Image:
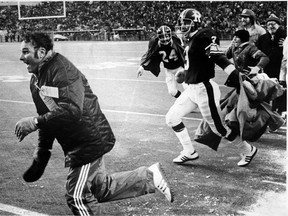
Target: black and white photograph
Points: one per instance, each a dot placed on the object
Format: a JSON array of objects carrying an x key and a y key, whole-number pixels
[{"x": 139, "y": 108}]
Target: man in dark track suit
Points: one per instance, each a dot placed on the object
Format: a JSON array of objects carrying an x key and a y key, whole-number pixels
[{"x": 69, "y": 112}]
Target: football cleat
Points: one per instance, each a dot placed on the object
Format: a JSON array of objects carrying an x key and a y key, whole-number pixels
[
  {"x": 247, "y": 158},
  {"x": 160, "y": 182},
  {"x": 184, "y": 157}
]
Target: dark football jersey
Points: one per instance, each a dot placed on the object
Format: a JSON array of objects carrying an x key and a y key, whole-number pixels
[
  {"x": 169, "y": 57},
  {"x": 152, "y": 58},
  {"x": 201, "y": 54}
]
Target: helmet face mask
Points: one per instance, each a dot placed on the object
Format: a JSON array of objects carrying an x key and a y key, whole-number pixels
[
  {"x": 188, "y": 22},
  {"x": 164, "y": 35},
  {"x": 185, "y": 25}
]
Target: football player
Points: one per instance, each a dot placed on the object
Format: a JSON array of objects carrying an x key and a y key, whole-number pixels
[
  {"x": 165, "y": 47},
  {"x": 201, "y": 55}
]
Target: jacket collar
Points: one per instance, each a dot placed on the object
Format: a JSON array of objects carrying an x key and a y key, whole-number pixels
[
  {"x": 50, "y": 54},
  {"x": 243, "y": 44}
]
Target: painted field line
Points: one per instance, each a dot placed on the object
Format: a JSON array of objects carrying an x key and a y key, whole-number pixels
[
  {"x": 146, "y": 114},
  {"x": 13, "y": 101},
  {"x": 272, "y": 182},
  {"x": 133, "y": 80},
  {"x": 248, "y": 213},
  {"x": 130, "y": 80},
  {"x": 19, "y": 211},
  {"x": 112, "y": 111},
  {"x": 26, "y": 79}
]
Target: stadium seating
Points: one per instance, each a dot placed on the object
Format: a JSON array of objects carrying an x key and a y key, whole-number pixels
[{"x": 104, "y": 16}]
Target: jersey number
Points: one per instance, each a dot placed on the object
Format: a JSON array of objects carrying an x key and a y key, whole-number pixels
[
  {"x": 171, "y": 56},
  {"x": 186, "y": 64}
]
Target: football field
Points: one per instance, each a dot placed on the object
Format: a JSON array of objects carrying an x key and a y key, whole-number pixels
[{"x": 135, "y": 108}]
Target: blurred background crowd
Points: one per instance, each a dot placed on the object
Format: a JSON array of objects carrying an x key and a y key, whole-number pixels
[{"x": 130, "y": 20}]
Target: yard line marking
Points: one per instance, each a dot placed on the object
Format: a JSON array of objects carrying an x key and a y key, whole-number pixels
[
  {"x": 272, "y": 182},
  {"x": 26, "y": 79},
  {"x": 12, "y": 101},
  {"x": 113, "y": 111},
  {"x": 132, "y": 80},
  {"x": 146, "y": 114},
  {"x": 19, "y": 211},
  {"x": 248, "y": 213}
]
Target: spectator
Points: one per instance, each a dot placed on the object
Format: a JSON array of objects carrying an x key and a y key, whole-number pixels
[
  {"x": 69, "y": 111},
  {"x": 271, "y": 44},
  {"x": 246, "y": 56},
  {"x": 248, "y": 19},
  {"x": 283, "y": 78},
  {"x": 222, "y": 15},
  {"x": 283, "y": 70}
]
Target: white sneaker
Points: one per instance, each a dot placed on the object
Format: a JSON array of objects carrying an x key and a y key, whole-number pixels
[
  {"x": 247, "y": 158},
  {"x": 184, "y": 157},
  {"x": 160, "y": 182}
]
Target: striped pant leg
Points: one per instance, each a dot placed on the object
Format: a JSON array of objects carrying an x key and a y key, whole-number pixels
[
  {"x": 79, "y": 197},
  {"x": 122, "y": 185},
  {"x": 89, "y": 185},
  {"x": 208, "y": 100}
]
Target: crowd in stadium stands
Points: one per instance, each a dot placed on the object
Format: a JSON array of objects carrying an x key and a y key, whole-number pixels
[{"x": 104, "y": 16}]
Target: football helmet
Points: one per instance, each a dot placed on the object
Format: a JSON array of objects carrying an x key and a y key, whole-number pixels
[
  {"x": 164, "y": 35},
  {"x": 188, "y": 22}
]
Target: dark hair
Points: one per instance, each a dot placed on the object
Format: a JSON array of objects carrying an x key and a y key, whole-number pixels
[
  {"x": 39, "y": 39},
  {"x": 243, "y": 35}
]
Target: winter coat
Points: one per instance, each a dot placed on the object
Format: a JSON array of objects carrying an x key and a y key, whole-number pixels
[
  {"x": 272, "y": 49},
  {"x": 76, "y": 120},
  {"x": 247, "y": 55},
  {"x": 251, "y": 116},
  {"x": 246, "y": 117}
]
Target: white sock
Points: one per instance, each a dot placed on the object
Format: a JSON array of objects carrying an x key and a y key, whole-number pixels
[
  {"x": 185, "y": 141},
  {"x": 245, "y": 147}
]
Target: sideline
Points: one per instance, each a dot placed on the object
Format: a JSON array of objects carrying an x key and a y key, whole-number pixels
[{"x": 19, "y": 211}]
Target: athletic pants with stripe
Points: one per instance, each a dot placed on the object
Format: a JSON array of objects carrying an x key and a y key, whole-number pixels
[
  {"x": 206, "y": 97},
  {"x": 88, "y": 185}
]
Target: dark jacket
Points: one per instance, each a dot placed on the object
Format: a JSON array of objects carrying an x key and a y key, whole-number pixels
[
  {"x": 250, "y": 117},
  {"x": 151, "y": 59},
  {"x": 272, "y": 49},
  {"x": 246, "y": 55},
  {"x": 77, "y": 123}
]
